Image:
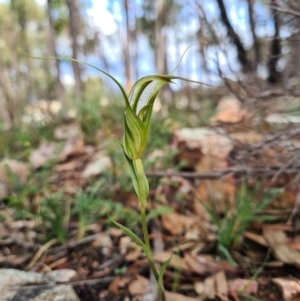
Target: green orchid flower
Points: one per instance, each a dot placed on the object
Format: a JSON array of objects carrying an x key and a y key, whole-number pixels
[
  {"x": 138, "y": 112},
  {"x": 137, "y": 120}
]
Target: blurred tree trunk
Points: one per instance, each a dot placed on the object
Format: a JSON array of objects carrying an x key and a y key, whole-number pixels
[
  {"x": 74, "y": 33},
  {"x": 161, "y": 47},
  {"x": 254, "y": 37},
  {"x": 290, "y": 75},
  {"x": 19, "y": 9},
  {"x": 99, "y": 49},
  {"x": 160, "y": 38},
  {"x": 60, "y": 91},
  {"x": 9, "y": 96},
  {"x": 127, "y": 49},
  {"x": 275, "y": 49},
  {"x": 242, "y": 54},
  {"x": 135, "y": 34}
]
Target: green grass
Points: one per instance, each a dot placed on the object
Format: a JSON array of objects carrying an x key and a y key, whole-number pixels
[
  {"x": 89, "y": 206},
  {"x": 18, "y": 142},
  {"x": 237, "y": 219},
  {"x": 54, "y": 215}
]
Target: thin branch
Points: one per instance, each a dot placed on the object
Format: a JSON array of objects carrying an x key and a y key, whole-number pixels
[
  {"x": 285, "y": 10},
  {"x": 262, "y": 171}
]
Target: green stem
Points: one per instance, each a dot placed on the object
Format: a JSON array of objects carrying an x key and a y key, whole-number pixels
[
  {"x": 144, "y": 226},
  {"x": 147, "y": 242},
  {"x": 82, "y": 226},
  {"x": 163, "y": 296}
]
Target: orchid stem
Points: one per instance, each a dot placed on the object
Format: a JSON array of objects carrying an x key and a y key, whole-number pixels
[{"x": 147, "y": 242}]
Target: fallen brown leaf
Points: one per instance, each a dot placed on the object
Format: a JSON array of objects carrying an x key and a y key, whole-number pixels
[
  {"x": 221, "y": 286},
  {"x": 138, "y": 286},
  {"x": 215, "y": 287},
  {"x": 290, "y": 289},
  {"x": 280, "y": 245},
  {"x": 119, "y": 283},
  {"x": 205, "y": 265},
  {"x": 256, "y": 238},
  {"x": 73, "y": 146},
  {"x": 172, "y": 222},
  {"x": 246, "y": 286},
  {"x": 44, "y": 153}
]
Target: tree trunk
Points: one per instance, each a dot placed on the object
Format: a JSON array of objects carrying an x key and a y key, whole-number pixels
[
  {"x": 160, "y": 48},
  {"x": 242, "y": 54},
  {"x": 135, "y": 35},
  {"x": 100, "y": 52},
  {"x": 60, "y": 91},
  {"x": 74, "y": 33},
  {"x": 275, "y": 49},
  {"x": 127, "y": 49},
  {"x": 5, "y": 86},
  {"x": 254, "y": 37},
  {"x": 20, "y": 10}
]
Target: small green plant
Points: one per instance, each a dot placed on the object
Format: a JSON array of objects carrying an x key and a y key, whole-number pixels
[
  {"x": 55, "y": 214},
  {"x": 137, "y": 119},
  {"x": 17, "y": 142},
  {"x": 88, "y": 116},
  {"x": 88, "y": 207},
  {"x": 246, "y": 209},
  {"x": 83, "y": 206}
]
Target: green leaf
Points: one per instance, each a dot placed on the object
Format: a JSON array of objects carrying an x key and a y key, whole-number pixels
[
  {"x": 181, "y": 58},
  {"x": 83, "y": 63},
  {"x": 226, "y": 254},
  {"x": 135, "y": 239},
  {"x": 162, "y": 269},
  {"x": 139, "y": 180},
  {"x": 131, "y": 171},
  {"x": 142, "y": 182}
]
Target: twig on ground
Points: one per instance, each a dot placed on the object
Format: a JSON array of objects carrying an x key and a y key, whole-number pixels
[
  {"x": 20, "y": 243},
  {"x": 266, "y": 171},
  {"x": 105, "y": 280},
  {"x": 73, "y": 244},
  {"x": 40, "y": 252}
]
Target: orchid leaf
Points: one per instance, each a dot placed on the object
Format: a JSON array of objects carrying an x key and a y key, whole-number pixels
[
  {"x": 162, "y": 269},
  {"x": 139, "y": 180},
  {"x": 131, "y": 172},
  {"x": 83, "y": 63},
  {"x": 135, "y": 239},
  {"x": 143, "y": 185},
  {"x": 181, "y": 58}
]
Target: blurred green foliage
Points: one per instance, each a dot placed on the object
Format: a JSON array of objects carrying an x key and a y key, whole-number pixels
[{"x": 249, "y": 202}]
